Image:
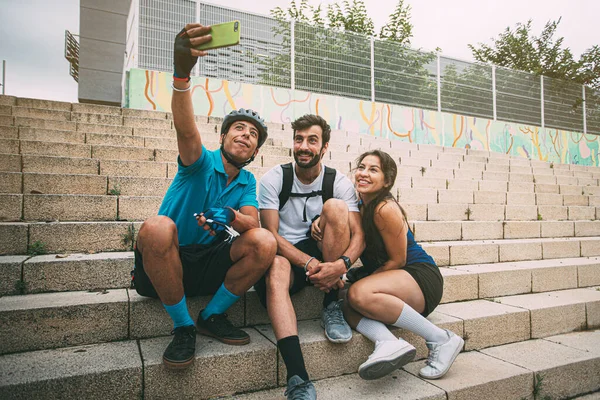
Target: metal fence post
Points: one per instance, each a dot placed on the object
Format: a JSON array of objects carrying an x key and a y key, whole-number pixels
[
  {"x": 136, "y": 30},
  {"x": 372, "y": 69},
  {"x": 3, "y": 76},
  {"x": 542, "y": 96},
  {"x": 439, "y": 84},
  {"x": 197, "y": 66},
  {"x": 584, "y": 109},
  {"x": 494, "y": 90},
  {"x": 293, "y": 54}
]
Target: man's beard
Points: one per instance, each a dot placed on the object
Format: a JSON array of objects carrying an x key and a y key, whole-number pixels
[{"x": 314, "y": 161}]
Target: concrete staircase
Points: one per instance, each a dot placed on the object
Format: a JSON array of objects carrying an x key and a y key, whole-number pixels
[{"x": 517, "y": 240}]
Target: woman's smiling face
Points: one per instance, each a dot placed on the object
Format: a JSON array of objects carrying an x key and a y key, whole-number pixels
[{"x": 369, "y": 178}]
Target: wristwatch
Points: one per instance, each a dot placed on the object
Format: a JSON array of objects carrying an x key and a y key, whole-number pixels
[{"x": 347, "y": 261}]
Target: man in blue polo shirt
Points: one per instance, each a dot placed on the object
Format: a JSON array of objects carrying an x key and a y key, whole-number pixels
[{"x": 189, "y": 248}]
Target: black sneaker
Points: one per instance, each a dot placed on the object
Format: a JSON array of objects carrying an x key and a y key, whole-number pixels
[
  {"x": 182, "y": 349},
  {"x": 220, "y": 328}
]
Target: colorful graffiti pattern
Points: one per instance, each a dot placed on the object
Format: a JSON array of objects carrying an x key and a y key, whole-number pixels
[{"x": 151, "y": 90}]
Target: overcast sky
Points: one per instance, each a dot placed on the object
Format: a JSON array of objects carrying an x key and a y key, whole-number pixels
[{"x": 32, "y": 32}]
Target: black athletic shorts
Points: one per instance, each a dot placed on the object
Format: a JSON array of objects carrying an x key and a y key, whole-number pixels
[
  {"x": 307, "y": 246},
  {"x": 427, "y": 276},
  {"x": 204, "y": 269},
  {"x": 430, "y": 281}
]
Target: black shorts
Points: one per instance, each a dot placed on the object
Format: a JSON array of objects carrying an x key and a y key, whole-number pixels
[
  {"x": 431, "y": 282},
  {"x": 427, "y": 276},
  {"x": 204, "y": 269},
  {"x": 307, "y": 246}
]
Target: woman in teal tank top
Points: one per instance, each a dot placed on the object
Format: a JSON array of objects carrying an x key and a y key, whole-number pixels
[{"x": 399, "y": 284}]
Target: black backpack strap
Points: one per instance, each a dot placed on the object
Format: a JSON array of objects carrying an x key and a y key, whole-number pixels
[
  {"x": 286, "y": 188},
  {"x": 328, "y": 181}
]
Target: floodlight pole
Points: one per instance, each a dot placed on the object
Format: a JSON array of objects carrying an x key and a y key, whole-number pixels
[{"x": 3, "y": 76}]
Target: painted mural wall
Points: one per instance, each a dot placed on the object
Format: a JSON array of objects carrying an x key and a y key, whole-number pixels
[{"x": 151, "y": 90}]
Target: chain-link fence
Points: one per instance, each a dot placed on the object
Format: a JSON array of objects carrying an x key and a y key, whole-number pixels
[
  {"x": 263, "y": 55},
  {"x": 159, "y": 22},
  {"x": 518, "y": 96},
  {"x": 306, "y": 57}
]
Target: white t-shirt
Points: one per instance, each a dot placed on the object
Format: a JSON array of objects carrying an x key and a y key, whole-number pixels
[{"x": 292, "y": 226}]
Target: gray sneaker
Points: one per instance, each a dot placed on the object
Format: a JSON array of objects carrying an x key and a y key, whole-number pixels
[
  {"x": 336, "y": 328},
  {"x": 298, "y": 389},
  {"x": 441, "y": 356}
]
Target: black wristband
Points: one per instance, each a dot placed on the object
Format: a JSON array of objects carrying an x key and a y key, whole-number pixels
[{"x": 347, "y": 261}]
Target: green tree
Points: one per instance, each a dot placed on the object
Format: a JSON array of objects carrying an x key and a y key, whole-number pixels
[
  {"x": 333, "y": 52},
  {"x": 399, "y": 28},
  {"x": 520, "y": 50},
  {"x": 541, "y": 55}
]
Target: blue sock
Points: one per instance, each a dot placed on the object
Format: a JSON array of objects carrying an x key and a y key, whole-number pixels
[
  {"x": 179, "y": 314},
  {"x": 220, "y": 302}
]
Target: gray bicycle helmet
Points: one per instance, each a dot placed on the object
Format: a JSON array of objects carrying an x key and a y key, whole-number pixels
[{"x": 246, "y": 115}]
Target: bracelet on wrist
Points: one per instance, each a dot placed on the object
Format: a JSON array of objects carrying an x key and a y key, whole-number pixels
[
  {"x": 181, "y": 90},
  {"x": 306, "y": 266}
]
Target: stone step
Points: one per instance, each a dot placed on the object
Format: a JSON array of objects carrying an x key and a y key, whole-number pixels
[
  {"x": 85, "y": 184},
  {"x": 42, "y": 104},
  {"x": 11, "y": 207},
  {"x": 130, "y": 112},
  {"x": 111, "y": 370},
  {"x": 507, "y": 250},
  {"x": 118, "y": 314},
  {"x": 41, "y": 113},
  {"x": 104, "y": 129},
  {"x": 510, "y": 370},
  {"x": 60, "y": 165},
  {"x": 427, "y": 231},
  {"x": 131, "y": 203},
  {"x": 69, "y": 207},
  {"x": 98, "y": 109},
  {"x": 114, "y": 140},
  {"x": 431, "y": 222},
  {"x": 51, "y": 135},
  {"x": 139, "y": 122},
  {"x": 7, "y": 100},
  {"x": 48, "y": 273},
  {"x": 9, "y": 132},
  {"x": 496, "y": 212},
  {"x": 10, "y": 162},
  {"x": 102, "y": 119},
  {"x": 61, "y": 237},
  {"x": 55, "y": 149},
  {"x": 461, "y": 170},
  {"x": 443, "y": 204},
  {"x": 478, "y": 169},
  {"x": 44, "y": 123}
]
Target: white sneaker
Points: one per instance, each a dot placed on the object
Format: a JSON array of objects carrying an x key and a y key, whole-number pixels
[
  {"x": 387, "y": 357},
  {"x": 441, "y": 356}
]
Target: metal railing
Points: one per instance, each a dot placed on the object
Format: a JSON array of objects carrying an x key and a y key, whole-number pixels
[
  {"x": 3, "y": 76},
  {"x": 295, "y": 55}
]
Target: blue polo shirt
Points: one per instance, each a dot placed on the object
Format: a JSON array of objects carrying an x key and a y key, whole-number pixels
[{"x": 200, "y": 186}]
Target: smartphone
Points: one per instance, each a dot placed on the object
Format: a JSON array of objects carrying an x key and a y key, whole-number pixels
[{"x": 223, "y": 35}]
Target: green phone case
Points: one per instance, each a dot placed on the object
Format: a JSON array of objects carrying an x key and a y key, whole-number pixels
[{"x": 223, "y": 35}]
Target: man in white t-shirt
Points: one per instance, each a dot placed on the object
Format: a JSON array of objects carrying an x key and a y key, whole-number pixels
[{"x": 313, "y": 213}]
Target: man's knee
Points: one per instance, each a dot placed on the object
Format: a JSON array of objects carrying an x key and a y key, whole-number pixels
[
  {"x": 262, "y": 242},
  {"x": 278, "y": 276},
  {"x": 157, "y": 234},
  {"x": 335, "y": 210}
]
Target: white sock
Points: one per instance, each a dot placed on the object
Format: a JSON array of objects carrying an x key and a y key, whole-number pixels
[
  {"x": 375, "y": 331},
  {"x": 413, "y": 321}
]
